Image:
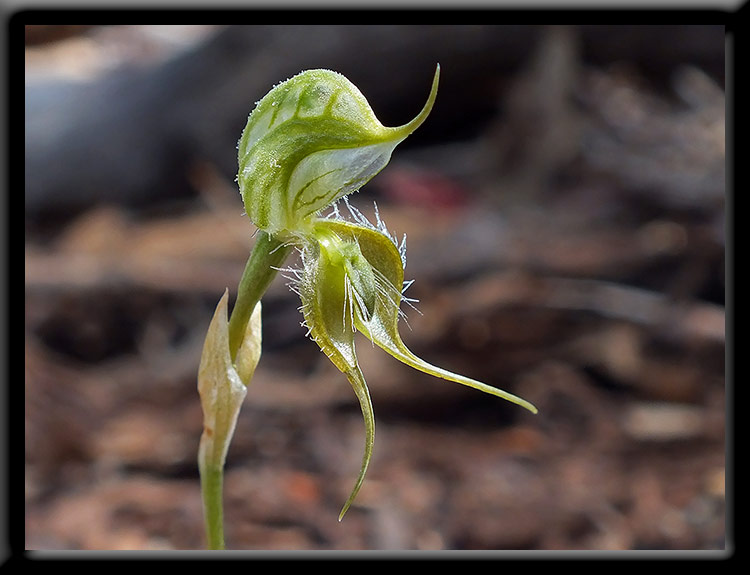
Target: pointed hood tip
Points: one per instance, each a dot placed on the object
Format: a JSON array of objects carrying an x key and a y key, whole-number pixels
[{"x": 411, "y": 126}]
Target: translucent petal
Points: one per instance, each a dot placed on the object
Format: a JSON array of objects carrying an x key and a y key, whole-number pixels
[
  {"x": 222, "y": 385},
  {"x": 310, "y": 141}
]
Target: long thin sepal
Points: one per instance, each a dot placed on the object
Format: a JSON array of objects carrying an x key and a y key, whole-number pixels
[
  {"x": 357, "y": 381},
  {"x": 392, "y": 343}
]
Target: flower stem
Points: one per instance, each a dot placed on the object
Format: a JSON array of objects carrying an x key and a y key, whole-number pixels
[
  {"x": 212, "y": 479},
  {"x": 267, "y": 255},
  {"x": 221, "y": 397}
]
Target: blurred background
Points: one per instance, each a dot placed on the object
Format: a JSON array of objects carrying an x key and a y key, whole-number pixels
[{"x": 565, "y": 211}]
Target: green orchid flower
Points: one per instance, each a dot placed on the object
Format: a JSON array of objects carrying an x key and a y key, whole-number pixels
[
  {"x": 310, "y": 142},
  {"x": 351, "y": 280}
]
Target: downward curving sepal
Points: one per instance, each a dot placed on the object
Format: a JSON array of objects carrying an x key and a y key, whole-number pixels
[
  {"x": 311, "y": 140},
  {"x": 357, "y": 381},
  {"x": 328, "y": 308}
]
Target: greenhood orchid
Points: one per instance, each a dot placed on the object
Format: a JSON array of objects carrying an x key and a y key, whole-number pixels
[{"x": 310, "y": 142}]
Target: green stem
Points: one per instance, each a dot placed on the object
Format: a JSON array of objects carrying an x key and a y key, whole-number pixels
[
  {"x": 267, "y": 255},
  {"x": 212, "y": 479}
]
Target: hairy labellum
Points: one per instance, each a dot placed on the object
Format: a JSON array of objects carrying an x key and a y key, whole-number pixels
[{"x": 351, "y": 281}]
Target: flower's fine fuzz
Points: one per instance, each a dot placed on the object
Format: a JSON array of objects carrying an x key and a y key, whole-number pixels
[{"x": 308, "y": 144}]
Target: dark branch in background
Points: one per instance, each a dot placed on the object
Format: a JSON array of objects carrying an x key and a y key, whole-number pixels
[
  {"x": 130, "y": 137},
  {"x": 48, "y": 33}
]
